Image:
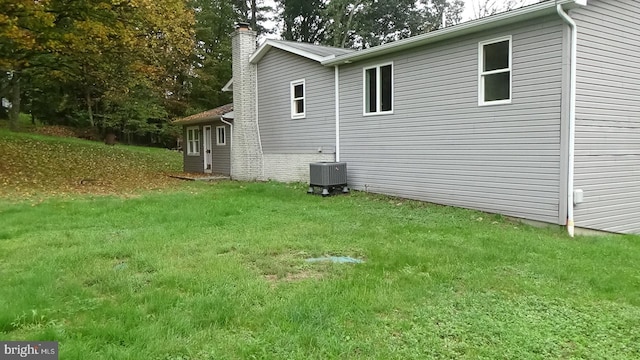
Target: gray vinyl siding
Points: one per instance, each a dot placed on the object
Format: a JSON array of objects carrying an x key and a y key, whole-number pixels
[
  {"x": 193, "y": 164},
  {"x": 607, "y": 159},
  {"x": 221, "y": 154},
  {"x": 279, "y": 133},
  {"x": 440, "y": 146}
]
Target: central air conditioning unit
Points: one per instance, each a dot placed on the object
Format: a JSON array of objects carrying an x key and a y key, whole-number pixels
[{"x": 329, "y": 176}]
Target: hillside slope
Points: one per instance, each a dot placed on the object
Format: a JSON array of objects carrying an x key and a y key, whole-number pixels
[{"x": 42, "y": 165}]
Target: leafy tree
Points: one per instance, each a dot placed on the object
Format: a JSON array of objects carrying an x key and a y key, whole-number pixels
[
  {"x": 364, "y": 23},
  {"x": 211, "y": 60},
  {"x": 254, "y": 12},
  {"x": 483, "y": 8},
  {"x": 128, "y": 113},
  {"x": 379, "y": 22},
  {"x": 433, "y": 11},
  {"x": 101, "y": 49},
  {"x": 24, "y": 25},
  {"x": 303, "y": 20}
]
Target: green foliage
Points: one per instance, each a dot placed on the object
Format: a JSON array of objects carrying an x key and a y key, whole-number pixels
[
  {"x": 304, "y": 20},
  {"x": 131, "y": 111},
  {"x": 254, "y": 12},
  {"x": 88, "y": 55},
  {"x": 211, "y": 60},
  {"x": 218, "y": 271},
  {"x": 24, "y": 29},
  {"x": 364, "y": 23}
]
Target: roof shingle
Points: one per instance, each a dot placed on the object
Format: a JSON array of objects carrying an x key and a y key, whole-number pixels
[{"x": 205, "y": 116}]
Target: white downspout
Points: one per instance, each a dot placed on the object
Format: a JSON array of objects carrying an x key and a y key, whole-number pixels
[
  {"x": 257, "y": 114},
  {"x": 337, "y": 101},
  {"x": 230, "y": 143},
  {"x": 572, "y": 117}
]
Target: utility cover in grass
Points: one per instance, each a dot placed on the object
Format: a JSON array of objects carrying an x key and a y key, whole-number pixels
[
  {"x": 337, "y": 259},
  {"x": 120, "y": 266}
]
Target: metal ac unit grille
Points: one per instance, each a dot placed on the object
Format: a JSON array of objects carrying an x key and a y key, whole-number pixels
[{"x": 328, "y": 174}]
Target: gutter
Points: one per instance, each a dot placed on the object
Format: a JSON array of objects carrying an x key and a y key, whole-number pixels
[{"x": 572, "y": 113}]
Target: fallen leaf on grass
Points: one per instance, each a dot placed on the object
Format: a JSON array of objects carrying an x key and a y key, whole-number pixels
[{"x": 33, "y": 166}]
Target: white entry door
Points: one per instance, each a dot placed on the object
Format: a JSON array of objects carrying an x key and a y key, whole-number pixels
[{"x": 207, "y": 148}]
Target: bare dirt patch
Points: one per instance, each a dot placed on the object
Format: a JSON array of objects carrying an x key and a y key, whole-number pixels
[
  {"x": 293, "y": 277},
  {"x": 286, "y": 267}
]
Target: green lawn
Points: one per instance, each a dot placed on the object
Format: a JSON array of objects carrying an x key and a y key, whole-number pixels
[{"x": 218, "y": 271}]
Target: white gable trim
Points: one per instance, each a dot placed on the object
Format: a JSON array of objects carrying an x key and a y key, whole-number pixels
[
  {"x": 228, "y": 86},
  {"x": 267, "y": 45}
]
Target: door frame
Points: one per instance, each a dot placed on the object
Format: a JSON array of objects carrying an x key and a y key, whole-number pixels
[{"x": 208, "y": 148}]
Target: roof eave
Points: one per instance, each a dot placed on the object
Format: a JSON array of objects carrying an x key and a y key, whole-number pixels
[
  {"x": 505, "y": 18},
  {"x": 267, "y": 45},
  {"x": 197, "y": 121},
  {"x": 228, "y": 86}
]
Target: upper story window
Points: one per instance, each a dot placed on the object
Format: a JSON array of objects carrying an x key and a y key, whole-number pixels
[
  {"x": 193, "y": 141},
  {"x": 378, "y": 89},
  {"x": 494, "y": 75},
  {"x": 298, "y": 99},
  {"x": 221, "y": 135}
]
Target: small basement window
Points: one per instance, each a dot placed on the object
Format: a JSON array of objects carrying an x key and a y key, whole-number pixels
[
  {"x": 297, "y": 99},
  {"x": 378, "y": 90},
  {"x": 193, "y": 141},
  {"x": 221, "y": 135},
  {"x": 494, "y": 79}
]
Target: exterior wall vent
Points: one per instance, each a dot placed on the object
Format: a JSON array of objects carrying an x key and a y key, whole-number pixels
[{"x": 328, "y": 176}]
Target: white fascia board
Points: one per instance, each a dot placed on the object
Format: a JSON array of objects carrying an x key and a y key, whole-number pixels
[
  {"x": 473, "y": 26},
  {"x": 267, "y": 45},
  {"x": 228, "y": 86}
]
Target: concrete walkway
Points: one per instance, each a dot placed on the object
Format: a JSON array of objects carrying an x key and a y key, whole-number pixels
[{"x": 200, "y": 177}]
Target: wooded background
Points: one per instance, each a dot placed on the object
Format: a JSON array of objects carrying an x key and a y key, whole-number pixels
[{"x": 131, "y": 66}]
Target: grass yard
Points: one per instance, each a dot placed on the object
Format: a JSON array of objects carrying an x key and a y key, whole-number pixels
[{"x": 218, "y": 271}]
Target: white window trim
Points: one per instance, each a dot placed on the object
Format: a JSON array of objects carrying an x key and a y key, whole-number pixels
[
  {"x": 301, "y": 115},
  {"x": 481, "y": 73},
  {"x": 224, "y": 139},
  {"x": 197, "y": 132},
  {"x": 379, "y": 92}
]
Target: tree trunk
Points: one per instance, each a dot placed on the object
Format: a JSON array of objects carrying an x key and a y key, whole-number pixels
[
  {"x": 345, "y": 33},
  {"x": 14, "y": 112},
  {"x": 87, "y": 96},
  {"x": 254, "y": 14}
]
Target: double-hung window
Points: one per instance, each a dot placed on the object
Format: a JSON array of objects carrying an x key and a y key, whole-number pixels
[
  {"x": 221, "y": 135},
  {"x": 378, "y": 89},
  {"x": 193, "y": 141},
  {"x": 494, "y": 75},
  {"x": 298, "y": 99}
]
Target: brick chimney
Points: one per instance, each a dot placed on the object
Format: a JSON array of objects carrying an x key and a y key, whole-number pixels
[{"x": 246, "y": 156}]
